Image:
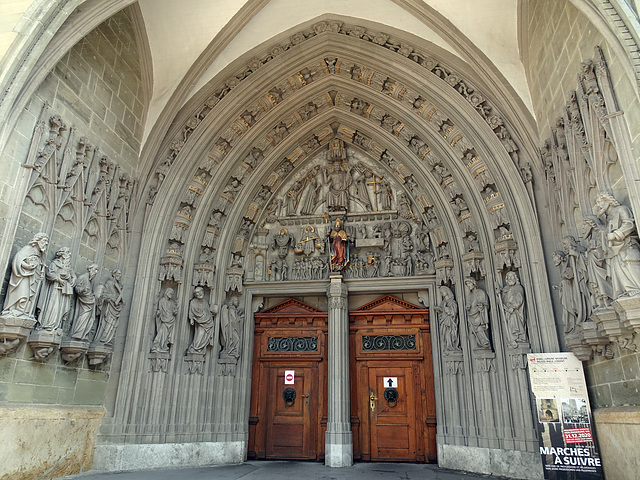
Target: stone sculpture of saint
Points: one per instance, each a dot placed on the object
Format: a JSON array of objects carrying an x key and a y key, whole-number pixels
[
  {"x": 478, "y": 314},
  {"x": 165, "y": 320},
  {"x": 27, "y": 272},
  {"x": 360, "y": 181},
  {"x": 201, "y": 317},
  {"x": 310, "y": 202},
  {"x": 513, "y": 303},
  {"x": 623, "y": 252},
  {"x": 111, "y": 304},
  {"x": 230, "y": 321},
  {"x": 576, "y": 260},
  {"x": 85, "y": 311},
  {"x": 565, "y": 289},
  {"x": 448, "y": 320},
  {"x": 338, "y": 179},
  {"x": 599, "y": 284},
  {"x": 55, "y": 303}
]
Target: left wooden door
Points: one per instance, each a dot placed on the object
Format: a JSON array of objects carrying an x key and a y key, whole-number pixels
[{"x": 290, "y": 426}]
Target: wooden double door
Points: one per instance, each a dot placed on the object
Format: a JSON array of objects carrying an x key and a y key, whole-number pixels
[{"x": 392, "y": 399}]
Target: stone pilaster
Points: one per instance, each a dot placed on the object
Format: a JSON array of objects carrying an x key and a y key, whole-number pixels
[{"x": 338, "y": 439}]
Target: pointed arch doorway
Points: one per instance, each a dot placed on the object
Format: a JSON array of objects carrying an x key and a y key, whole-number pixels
[{"x": 392, "y": 392}]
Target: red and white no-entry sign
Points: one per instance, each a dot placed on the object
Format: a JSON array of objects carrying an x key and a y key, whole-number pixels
[{"x": 289, "y": 377}]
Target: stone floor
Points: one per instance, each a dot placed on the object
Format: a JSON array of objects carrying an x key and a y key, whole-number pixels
[{"x": 279, "y": 470}]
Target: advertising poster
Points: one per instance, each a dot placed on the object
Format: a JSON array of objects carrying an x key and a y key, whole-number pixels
[{"x": 567, "y": 438}]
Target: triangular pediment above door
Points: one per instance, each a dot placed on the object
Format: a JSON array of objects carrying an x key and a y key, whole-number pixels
[
  {"x": 388, "y": 303},
  {"x": 292, "y": 307}
]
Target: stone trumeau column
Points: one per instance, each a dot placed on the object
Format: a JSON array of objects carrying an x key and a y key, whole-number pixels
[{"x": 338, "y": 439}]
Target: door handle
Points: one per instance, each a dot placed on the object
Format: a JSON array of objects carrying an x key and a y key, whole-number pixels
[
  {"x": 306, "y": 399},
  {"x": 372, "y": 401}
]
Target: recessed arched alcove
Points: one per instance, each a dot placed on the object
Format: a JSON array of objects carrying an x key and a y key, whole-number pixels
[{"x": 241, "y": 145}]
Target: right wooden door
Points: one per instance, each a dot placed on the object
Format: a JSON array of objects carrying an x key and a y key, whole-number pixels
[
  {"x": 392, "y": 419},
  {"x": 392, "y": 394}
]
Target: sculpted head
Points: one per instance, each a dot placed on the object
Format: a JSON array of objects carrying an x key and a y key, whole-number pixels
[
  {"x": 92, "y": 270},
  {"x": 470, "y": 283},
  {"x": 41, "y": 240},
  {"x": 512, "y": 278},
  {"x": 169, "y": 293},
  {"x": 198, "y": 292},
  {"x": 603, "y": 202}
]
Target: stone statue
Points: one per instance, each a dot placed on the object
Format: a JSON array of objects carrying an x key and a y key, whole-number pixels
[
  {"x": 56, "y": 301},
  {"x": 230, "y": 321},
  {"x": 386, "y": 195},
  {"x": 360, "y": 181},
  {"x": 165, "y": 320},
  {"x": 201, "y": 317},
  {"x": 337, "y": 177},
  {"x": 85, "y": 311},
  {"x": 339, "y": 246},
  {"x": 312, "y": 199},
  {"x": 565, "y": 289},
  {"x": 110, "y": 307},
  {"x": 478, "y": 314},
  {"x": 576, "y": 260},
  {"x": 448, "y": 320},
  {"x": 623, "y": 253},
  {"x": 27, "y": 272},
  {"x": 282, "y": 241},
  {"x": 599, "y": 284},
  {"x": 513, "y": 302}
]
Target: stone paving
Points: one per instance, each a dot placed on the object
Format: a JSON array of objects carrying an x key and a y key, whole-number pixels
[{"x": 279, "y": 470}]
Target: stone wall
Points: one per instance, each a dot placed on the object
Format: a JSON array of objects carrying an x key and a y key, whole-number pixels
[
  {"x": 96, "y": 93},
  {"x": 47, "y": 443},
  {"x": 560, "y": 38}
]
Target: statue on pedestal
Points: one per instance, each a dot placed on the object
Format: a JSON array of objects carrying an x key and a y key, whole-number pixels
[
  {"x": 27, "y": 272},
  {"x": 201, "y": 318},
  {"x": 478, "y": 314},
  {"x": 56, "y": 301},
  {"x": 623, "y": 252},
  {"x": 165, "y": 320}
]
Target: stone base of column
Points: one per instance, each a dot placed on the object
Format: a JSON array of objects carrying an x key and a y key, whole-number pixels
[{"x": 338, "y": 449}]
